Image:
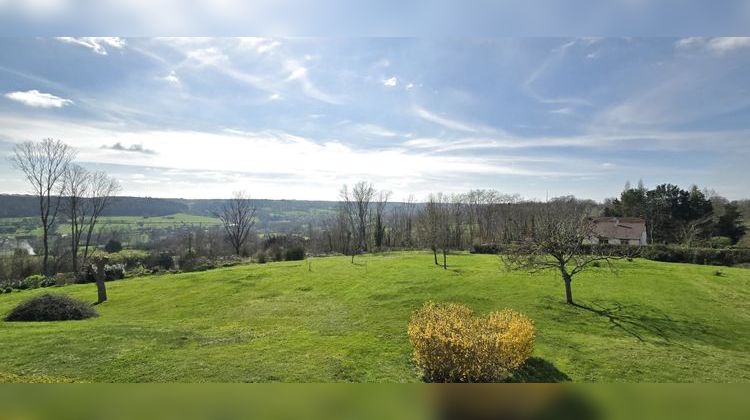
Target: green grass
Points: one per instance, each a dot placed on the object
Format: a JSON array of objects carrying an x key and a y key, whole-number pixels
[{"x": 656, "y": 322}]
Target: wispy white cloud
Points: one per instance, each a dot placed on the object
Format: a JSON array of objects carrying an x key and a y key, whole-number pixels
[
  {"x": 555, "y": 58},
  {"x": 260, "y": 45},
  {"x": 390, "y": 82},
  {"x": 451, "y": 123},
  {"x": 37, "y": 99},
  {"x": 210, "y": 56},
  {"x": 98, "y": 45},
  {"x": 563, "y": 111},
  {"x": 719, "y": 45},
  {"x": 172, "y": 78},
  {"x": 325, "y": 164},
  {"x": 298, "y": 73},
  {"x": 375, "y": 130}
]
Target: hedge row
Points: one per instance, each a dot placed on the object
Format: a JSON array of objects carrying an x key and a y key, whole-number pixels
[{"x": 666, "y": 253}]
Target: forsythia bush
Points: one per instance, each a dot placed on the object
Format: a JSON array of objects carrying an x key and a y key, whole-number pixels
[{"x": 453, "y": 345}]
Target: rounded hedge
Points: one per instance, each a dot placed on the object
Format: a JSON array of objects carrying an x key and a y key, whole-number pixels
[
  {"x": 451, "y": 344},
  {"x": 49, "y": 307}
]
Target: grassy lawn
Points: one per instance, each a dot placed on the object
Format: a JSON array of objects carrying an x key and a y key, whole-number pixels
[{"x": 650, "y": 322}]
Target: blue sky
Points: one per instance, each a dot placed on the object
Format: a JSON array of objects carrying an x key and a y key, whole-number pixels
[{"x": 299, "y": 117}]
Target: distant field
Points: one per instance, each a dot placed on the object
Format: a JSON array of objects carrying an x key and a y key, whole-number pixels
[
  {"x": 656, "y": 322},
  {"x": 127, "y": 224}
]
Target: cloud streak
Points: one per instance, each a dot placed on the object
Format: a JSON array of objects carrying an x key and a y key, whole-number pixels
[
  {"x": 135, "y": 148},
  {"x": 36, "y": 99},
  {"x": 98, "y": 45}
]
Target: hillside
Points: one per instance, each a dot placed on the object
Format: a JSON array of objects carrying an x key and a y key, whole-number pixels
[
  {"x": 334, "y": 321},
  {"x": 272, "y": 215}
]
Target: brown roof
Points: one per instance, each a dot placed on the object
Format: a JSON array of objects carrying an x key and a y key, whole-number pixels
[{"x": 619, "y": 227}]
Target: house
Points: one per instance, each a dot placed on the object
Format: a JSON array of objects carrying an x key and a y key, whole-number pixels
[{"x": 619, "y": 230}]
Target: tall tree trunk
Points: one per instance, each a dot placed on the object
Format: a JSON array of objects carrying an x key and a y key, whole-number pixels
[
  {"x": 568, "y": 291},
  {"x": 74, "y": 255},
  {"x": 45, "y": 266},
  {"x": 434, "y": 253},
  {"x": 101, "y": 288},
  {"x": 445, "y": 263}
]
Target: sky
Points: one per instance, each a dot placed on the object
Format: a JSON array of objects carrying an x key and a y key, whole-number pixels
[{"x": 297, "y": 118}]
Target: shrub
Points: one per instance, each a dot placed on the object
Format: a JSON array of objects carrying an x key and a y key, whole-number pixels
[
  {"x": 260, "y": 256},
  {"x": 61, "y": 279},
  {"x": 49, "y": 307},
  {"x": 138, "y": 271},
  {"x": 707, "y": 256},
  {"x": 113, "y": 246},
  {"x": 453, "y": 345},
  {"x": 160, "y": 260},
  {"x": 47, "y": 282},
  {"x": 491, "y": 248},
  {"x": 114, "y": 272},
  {"x": 191, "y": 262},
  {"x": 31, "y": 282},
  {"x": 130, "y": 257},
  {"x": 295, "y": 253},
  {"x": 720, "y": 242}
]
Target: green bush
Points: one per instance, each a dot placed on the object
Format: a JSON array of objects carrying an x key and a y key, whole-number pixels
[
  {"x": 31, "y": 282},
  {"x": 61, "y": 279},
  {"x": 49, "y": 307},
  {"x": 191, "y": 262},
  {"x": 160, "y": 260},
  {"x": 113, "y": 246},
  {"x": 720, "y": 242},
  {"x": 706, "y": 256},
  {"x": 130, "y": 257},
  {"x": 138, "y": 271},
  {"x": 295, "y": 253}
]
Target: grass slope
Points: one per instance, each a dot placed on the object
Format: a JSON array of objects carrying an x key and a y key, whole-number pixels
[{"x": 342, "y": 322}]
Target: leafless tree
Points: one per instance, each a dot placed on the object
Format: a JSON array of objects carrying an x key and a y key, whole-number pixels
[
  {"x": 75, "y": 191},
  {"x": 402, "y": 223},
  {"x": 44, "y": 163},
  {"x": 554, "y": 236},
  {"x": 356, "y": 204},
  {"x": 87, "y": 195},
  {"x": 429, "y": 222},
  {"x": 238, "y": 218},
  {"x": 379, "y": 223}
]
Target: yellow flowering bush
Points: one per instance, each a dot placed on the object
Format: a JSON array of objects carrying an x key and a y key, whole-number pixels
[{"x": 451, "y": 344}]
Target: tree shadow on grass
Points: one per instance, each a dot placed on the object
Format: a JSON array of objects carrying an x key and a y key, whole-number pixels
[
  {"x": 538, "y": 370},
  {"x": 646, "y": 323}
]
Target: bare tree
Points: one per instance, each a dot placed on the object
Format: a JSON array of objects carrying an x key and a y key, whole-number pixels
[
  {"x": 379, "y": 224},
  {"x": 75, "y": 190},
  {"x": 356, "y": 204},
  {"x": 88, "y": 194},
  {"x": 44, "y": 164},
  {"x": 555, "y": 235},
  {"x": 402, "y": 223},
  {"x": 428, "y": 224},
  {"x": 238, "y": 217}
]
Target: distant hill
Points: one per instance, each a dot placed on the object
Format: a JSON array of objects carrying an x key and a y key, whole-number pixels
[{"x": 273, "y": 215}]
